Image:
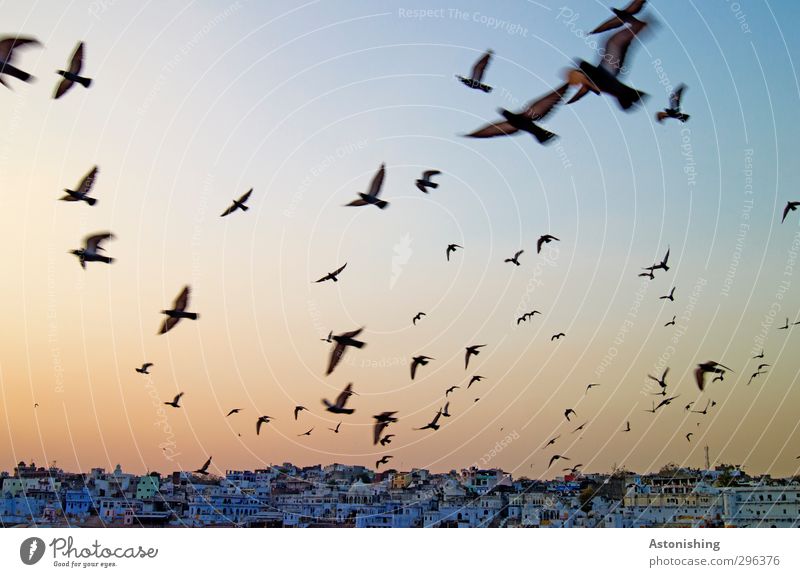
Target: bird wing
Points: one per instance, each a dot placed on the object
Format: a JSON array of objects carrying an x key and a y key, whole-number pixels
[
  {"x": 77, "y": 59},
  {"x": 675, "y": 97},
  {"x": 229, "y": 210},
  {"x": 336, "y": 356},
  {"x": 429, "y": 173},
  {"x": 93, "y": 242},
  {"x": 205, "y": 465},
  {"x": 539, "y": 109},
  {"x": 539, "y": 244},
  {"x": 502, "y": 128},
  {"x": 352, "y": 334},
  {"x": 169, "y": 322},
  {"x": 617, "y": 46},
  {"x": 245, "y": 196},
  {"x": 340, "y": 269},
  {"x": 377, "y": 181},
  {"x": 147, "y": 365},
  {"x": 62, "y": 88},
  {"x": 182, "y": 300},
  {"x": 610, "y": 24},
  {"x": 7, "y": 46},
  {"x": 786, "y": 210},
  {"x": 635, "y": 6},
  {"x": 357, "y": 202},
  {"x": 414, "y": 364},
  {"x": 436, "y": 418},
  {"x": 379, "y": 427},
  {"x": 699, "y": 375},
  {"x": 479, "y": 67},
  {"x": 344, "y": 395},
  {"x": 88, "y": 181},
  {"x": 259, "y": 422}
]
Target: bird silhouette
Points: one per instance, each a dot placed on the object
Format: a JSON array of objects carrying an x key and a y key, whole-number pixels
[
  {"x": 91, "y": 249},
  {"x": 591, "y": 386},
  {"x": 334, "y": 276},
  {"x": 144, "y": 369},
  {"x": 689, "y": 437},
  {"x": 556, "y": 458},
  {"x": 343, "y": 341},
  {"x": 674, "y": 109},
  {"x": 515, "y": 258},
  {"x": 476, "y": 76},
  {"x": 238, "y": 204},
  {"x": 672, "y": 322},
  {"x": 670, "y": 296},
  {"x": 708, "y": 367},
  {"x": 472, "y": 350},
  {"x": 72, "y": 75},
  {"x": 790, "y": 206},
  {"x": 662, "y": 265},
  {"x": 754, "y": 375},
  {"x": 527, "y": 316},
  {"x": 544, "y": 239},
  {"x": 307, "y": 433},
  {"x": 526, "y": 119},
  {"x": 446, "y": 410},
  {"x": 665, "y": 402},
  {"x": 336, "y": 430},
  {"x": 648, "y": 274},
  {"x": 382, "y": 461},
  {"x": 7, "y": 48},
  {"x": 425, "y": 182},
  {"x": 433, "y": 424},
  {"x": 264, "y": 419},
  {"x": 475, "y": 379},
  {"x": 382, "y": 420},
  {"x": 85, "y": 186},
  {"x": 569, "y": 412},
  {"x": 371, "y": 197},
  {"x": 785, "y": 326},
  {"x": 177, "y": 312},
  {"x": 233, "y": 412},
  {"x": 175, "y": 403},
  {"x": 451, "y": 248},
  {"x": 662, "y": 381},
  {"x": 579, "y": 428},
  {"x": 297, "y": 410},
  {"x": 417, "y": 317},
  {"x": 204, "y": 469},
  {"x": 627, "y": 428},
  {"x": 761, "y": 356},
  {"x": 621, "y": 16},
  {"x": 417, "y": 361},
  {"x": 450, "y": 390},
  {"x": 329, "y": 338},
  {"x": 604, "y": 76},
  {"x": 553, "y": 441},
  {"x": 705, "y": 410},
  {"x": 386, "y": 440},
  {"x": 339, "y": 406},
  {"x": 557, "y": 336}
]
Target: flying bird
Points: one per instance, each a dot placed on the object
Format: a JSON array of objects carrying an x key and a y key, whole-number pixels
[
  {"x": 627, "y": 428},
  {"x": 336, "y": 430},
  {"x": 178, "y": 311},
  {"x": 555, "y": 458},
  {"x": 515, "y": 258},
  {"x": 471, "y": 350},
  {"x": 91, "y": 249},
  {"x": 785, "y": 326},
  {"x": 238, "y": 204},
  {"x": 386, "y": 440},
  {"x": 341, "y": 401},
  {"x": 674, "y": 110},
  {"x": 665, "y": 402},
  {"x": 7, "y": 47},
  {"x": 175, "y": 402},
  {"x": 557, "y": 336},
  {"x": 417, "y": 361},
  {"x": 72, "y": 75},
  {"x": 446, "y": 410},
  {"x": 790, "y": 206},
  {"x": 371, "y": 197},
  {"x": 579, "y": 428},
  {"x": 382, "y": 461},
  {"x": 704, "y": 411},
  {"x": 669, "y": 297},
  {"x": 307, "y": 433},
  {"x": 672, "y": 322},
  {"x": 475, "y": 379},
  {"x": 233, "y": 412},
  {"x": 761, "y": 356},
  {"x": 605, "y": 76},
  {"x": 417, "y": 317},
  {"x": 553, "y": 441},
  {"x": 144, "y": 368},
  {"x": 478, "y": 70},
  {"x": 204, "y": 469},
  {"x": 526, "y": 119},
  {"x": 334, "y": 276},
  {"x": 85, "y": 186},
  {"x": 569, "y": 412},
  {"x": 708, "y": 367},
  {"x": 621, "y": 16},
  {"x": 297, "y": 410},
  {"x": 343, "y": 341},
  {"x": 451, "y": 248},
  {"x": 329, "y": 338},
  {"x": 648, "y": 274},
  {"x": 544, "y": 239},
  {"x": 425, "y": 182},
  {"x": 433, "y": 424},
  {"x": 662, "y": 381},
  {"x": 382, "y": 420},
  {"x": 450, "y": 390},
  {"x": 265, "y": 419},
  {"x": 689, "y": 437},
  {"x": 590, "y": 386}
]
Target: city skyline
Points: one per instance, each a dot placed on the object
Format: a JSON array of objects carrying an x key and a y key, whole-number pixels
[{"x": 303, "y": 103}]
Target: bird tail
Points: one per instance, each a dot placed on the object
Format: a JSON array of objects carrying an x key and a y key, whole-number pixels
[
  {"x": 192, "y": 316},
  {"x": 382, "y": 204},
  {"x": 432, "y": 185},
  {"x": 629, "y": 97},
  {"x": 243, "y": 207},
  {"x": 683, "y": 117},
  {"x": 85, "y": 82},
  {"x": 106, "y": 259},
  {"x": 90, "y": 201},
  {"x": 542, "y": 135}
]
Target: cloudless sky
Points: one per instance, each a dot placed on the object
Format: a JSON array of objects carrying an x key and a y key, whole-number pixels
[{"x": 194, "y": 103}]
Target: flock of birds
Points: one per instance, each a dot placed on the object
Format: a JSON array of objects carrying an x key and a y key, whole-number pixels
[{"x": 598, "y": 79}]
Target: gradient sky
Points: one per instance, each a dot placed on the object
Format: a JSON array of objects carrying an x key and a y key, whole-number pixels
[{"x": 194, "y": 103}]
